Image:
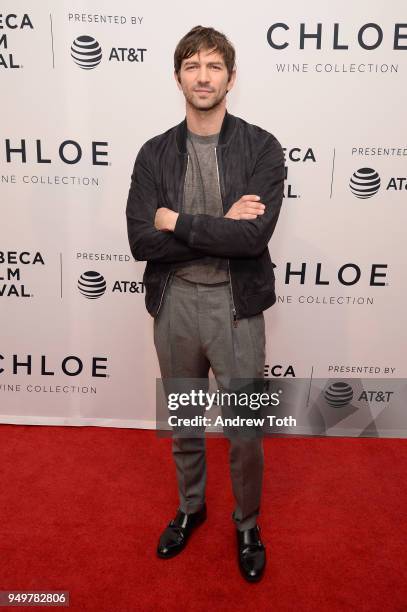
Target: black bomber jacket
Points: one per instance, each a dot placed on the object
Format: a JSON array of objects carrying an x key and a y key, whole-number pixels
[{"x": 250, "y": 160}]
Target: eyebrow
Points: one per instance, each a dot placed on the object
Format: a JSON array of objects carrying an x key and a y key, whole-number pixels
[{"x": 189, "y": 63}]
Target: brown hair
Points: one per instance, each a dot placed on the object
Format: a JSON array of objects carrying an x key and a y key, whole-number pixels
[{"x": 204, "y": 38}]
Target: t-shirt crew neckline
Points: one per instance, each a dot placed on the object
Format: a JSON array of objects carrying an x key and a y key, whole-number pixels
[{"x": 210, "y": 139}]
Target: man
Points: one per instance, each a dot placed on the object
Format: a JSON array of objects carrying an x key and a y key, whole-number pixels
[{"x": 204, "y": 200}]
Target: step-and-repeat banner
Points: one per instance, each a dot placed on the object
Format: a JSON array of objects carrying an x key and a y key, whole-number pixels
[{"x": 328, "y": 80}]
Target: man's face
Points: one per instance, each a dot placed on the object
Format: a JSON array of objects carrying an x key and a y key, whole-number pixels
[{"x": 204, "y": 79}]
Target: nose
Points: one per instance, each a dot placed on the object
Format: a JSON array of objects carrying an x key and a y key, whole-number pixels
[{"x": 203, "y": 75}]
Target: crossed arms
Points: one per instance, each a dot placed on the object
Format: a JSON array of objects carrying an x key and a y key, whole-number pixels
[{"x": 243, "y": 232}]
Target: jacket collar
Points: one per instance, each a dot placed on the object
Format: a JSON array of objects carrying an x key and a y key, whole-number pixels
[{"x": 226, "y": 130}]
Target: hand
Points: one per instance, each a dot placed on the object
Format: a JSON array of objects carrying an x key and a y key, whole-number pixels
[
  {"x": 165, "y": 219},
  {"x": 248, "y": 207}
]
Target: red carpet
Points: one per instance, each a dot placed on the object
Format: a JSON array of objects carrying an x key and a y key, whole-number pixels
[{"x": 82, "y": 508}]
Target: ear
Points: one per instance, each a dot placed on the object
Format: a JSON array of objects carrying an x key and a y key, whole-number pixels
[
  {"x": 177, "y": 80},
  {"x": 232, "y": 80}
]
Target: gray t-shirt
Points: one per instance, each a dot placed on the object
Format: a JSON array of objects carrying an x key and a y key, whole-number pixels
[{"x": 202, "y": 196}]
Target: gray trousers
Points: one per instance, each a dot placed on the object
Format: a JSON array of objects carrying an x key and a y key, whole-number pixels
[{"x": 194, "y": 332}]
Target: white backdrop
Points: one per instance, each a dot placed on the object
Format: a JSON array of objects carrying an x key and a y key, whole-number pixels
[{"x": 336, "y": 112}]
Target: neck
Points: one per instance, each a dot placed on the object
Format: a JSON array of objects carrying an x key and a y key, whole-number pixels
[{"x": 205, "y": 123}]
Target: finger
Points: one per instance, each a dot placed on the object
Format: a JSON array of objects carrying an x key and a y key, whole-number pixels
[
  {"x": 255, "y": 198},
  {"x": 253, "y": 206},
  {"x": 252, "y": 210},
  {"x": 248, "y": 216}
]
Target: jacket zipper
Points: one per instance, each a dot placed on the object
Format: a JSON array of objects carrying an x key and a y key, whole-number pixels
[
  {"x": 170, "y": 272},
  {"x": 162, "y": 294},
  {"x": 235, "y": 320}
]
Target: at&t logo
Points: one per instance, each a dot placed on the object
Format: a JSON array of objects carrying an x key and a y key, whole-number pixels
[
  {"x": 339, "y": 394},
  {"x": 87, "y": 53},
  {"x": 92, "y": 285},
  {"x": 364, "y": 183}
]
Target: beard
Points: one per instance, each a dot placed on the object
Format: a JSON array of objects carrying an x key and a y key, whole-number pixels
[{"x": 205, "y": 104}]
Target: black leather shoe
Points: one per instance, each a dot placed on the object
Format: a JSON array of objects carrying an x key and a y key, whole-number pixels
[
  {"x": 176, "y": 535},
  {"x": 251, "y": 554}
]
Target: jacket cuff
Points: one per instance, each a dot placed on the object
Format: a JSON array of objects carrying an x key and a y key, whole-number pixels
[{"x": 183, "y": 226}]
